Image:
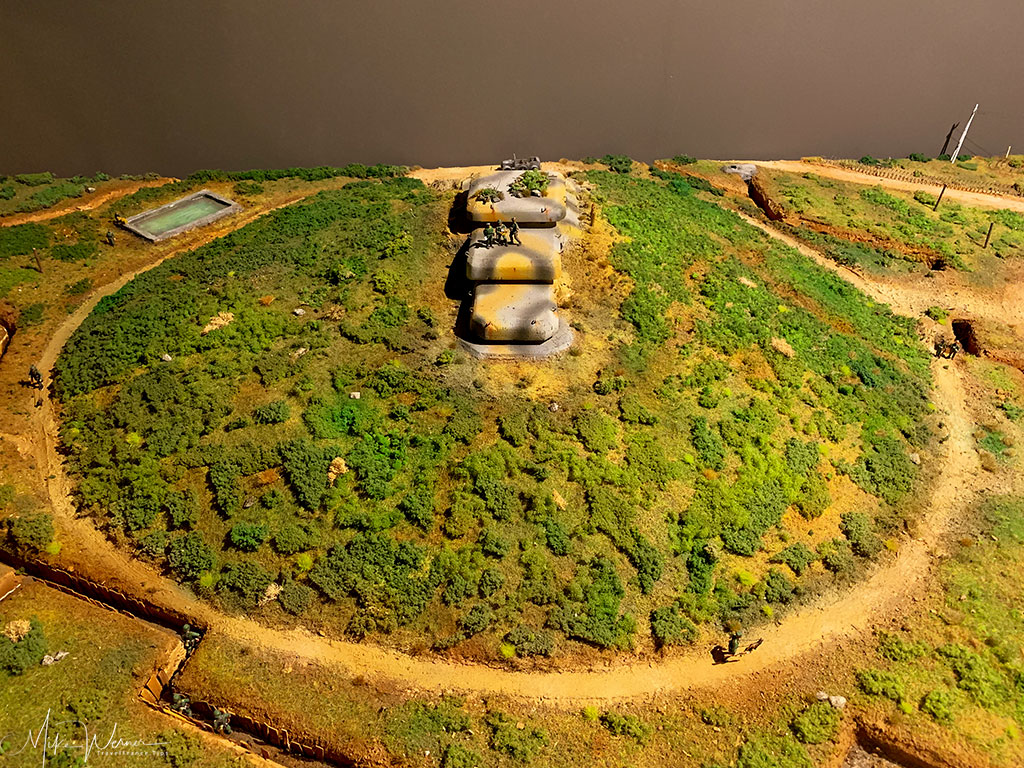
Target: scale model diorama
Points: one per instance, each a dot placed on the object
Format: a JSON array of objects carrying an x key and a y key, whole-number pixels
[{"x": 575, "y": 463}]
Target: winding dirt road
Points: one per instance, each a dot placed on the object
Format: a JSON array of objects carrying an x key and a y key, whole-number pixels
[
  {"x": 86, "y": 203},
  {"x": 802, "y": 632}
]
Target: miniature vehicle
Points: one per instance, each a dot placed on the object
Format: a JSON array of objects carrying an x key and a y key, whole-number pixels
[{"x": 520, "y": 164}]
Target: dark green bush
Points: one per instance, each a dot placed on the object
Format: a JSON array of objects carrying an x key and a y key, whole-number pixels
[
  {"x": 15, "y": 658},
  {"x": 684, "y": 160},
  {"x": 522, "y": 745},
  {"x": 295, "y": 596},
  {"x": 22, "y": 239},
  {"x": 797, "y": 556},
  {"x": 189, "y": 556},
  {"x": 276, "y": 412},
  {"x": 476, "y": 619},
  {"x": 246, "y": 581},
  {"x": 83, "y": 249},
  {"x": 31, "y": 531},
  {"x": 248, "y": 188},
  {"x": 248, "y": 537},
  {"x": 670, "y": 627},
  {"x": 618, "y": 163},
  {"x": 457, "y": 756},
  {"x": 626, "y": 725},
  {"x": 530, "y": 642},
  {"x": 859, "y": 529}
]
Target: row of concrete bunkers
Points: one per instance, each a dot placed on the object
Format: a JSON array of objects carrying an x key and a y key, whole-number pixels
[{"x": 512, "y": 285}]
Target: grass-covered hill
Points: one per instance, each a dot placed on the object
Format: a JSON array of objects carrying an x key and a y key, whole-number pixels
[{"x": 747, "y": 438}]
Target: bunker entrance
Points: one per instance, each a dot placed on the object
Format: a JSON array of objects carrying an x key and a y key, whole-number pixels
[{"x": 963, "y": 330}]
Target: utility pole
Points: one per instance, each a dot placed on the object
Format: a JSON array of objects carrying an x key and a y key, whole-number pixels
[
  {"x": 945, "y": 144},
  {"x": 964, "y": 135}
]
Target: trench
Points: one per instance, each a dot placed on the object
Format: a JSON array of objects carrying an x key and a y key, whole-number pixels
[{"x": 256, "y": 737}]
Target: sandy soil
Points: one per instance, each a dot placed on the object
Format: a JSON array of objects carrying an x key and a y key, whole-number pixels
[
  {"x": 799, "y": 639},
  {"x": 84, "y": 203}
]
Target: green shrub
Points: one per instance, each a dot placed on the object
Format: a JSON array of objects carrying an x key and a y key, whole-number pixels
[
  {"x": 596, "y": 431},
  {"x": 31, "y": 531},
  {"x": 179, "y": 750},
  {"x": 7, "y": 192},
  {"x": 895, "y": 648},
  {"x": 245, "y": 580},
  {"x": 859, "y": 529},
  {"x": 556, "y": 536},
  {"x": 589, "y": 610},
  {"x": 476, "y": 619},
  {"x": 522, "y": 745},
  {"x": 305, "y": 465},
  {"x": 22, "y": 239},
  {"x": 295, "y": 537},
  {"x": 670, "y": 627},
  {"x": 876, "y": 682},
  {"x": 248, "y": 188},
  {"x": 917, "y": 157},
  {"x": 276, "y": 412},
  {"x": 248, "y": 537},
  {"x": 491, "y": 580},
  {"x": 530, "y": 642},
  {"x": 493, "y": 545},
  {"x": 707, "y": 444},
  {"x": 83, "y": 249},
  {"x": 817, "y": 724},
  {"x": 626, "y": 725},
  {"x": 975, "y": 675},
  {"x": 35, "y": 179},
  {"x": 155, "y": 543},
  {"x": 32, "y": 314},
  {"x": 457, "y": 756},
  {"x": 79, "y": 287},
  {"x": 775, "y": 587},
  {"x": 17, "y": 657},
  {"x": 765, "y": 751},
  {"x": 925, "y": 198},
  {"x": 684, "y": 160},
  {"x": 189, "y": 555},
  {"x": 528, "y": 181},
  {"x": 618, "y": 163},
  {"x": 797, "y": 556},
  {"x": 940, "y": 704},
  {"x": 837, "y": 556},
  {"x": 938, "y": 314},
  {"x": 295, "y": 596}
]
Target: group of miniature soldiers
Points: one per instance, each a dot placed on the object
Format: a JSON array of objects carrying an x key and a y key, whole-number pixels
[
  {"x": 722, "y": 655},
  {"x": 947, "y": 349},
  {"x": 502, "y": 235}
]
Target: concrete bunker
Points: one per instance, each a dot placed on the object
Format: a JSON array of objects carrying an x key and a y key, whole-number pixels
[
  {"x": 190, "y": 212},
  {"x": 512, "y": 259}
]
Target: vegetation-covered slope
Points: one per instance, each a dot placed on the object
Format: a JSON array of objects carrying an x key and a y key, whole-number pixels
[{"x": 751, "y": 441}]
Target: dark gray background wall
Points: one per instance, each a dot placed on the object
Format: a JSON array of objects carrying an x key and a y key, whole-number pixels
[{"x": 140, "y": 85}]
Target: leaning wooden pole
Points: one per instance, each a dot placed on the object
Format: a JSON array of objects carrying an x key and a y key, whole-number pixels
[{"x": 963, "y": 135}]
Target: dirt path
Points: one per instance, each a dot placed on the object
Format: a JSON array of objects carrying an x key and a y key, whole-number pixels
[
  {"x": 842, "y": 174},
  {"x": 89, "y": 202},
  {"x": 803, "y": 632}
]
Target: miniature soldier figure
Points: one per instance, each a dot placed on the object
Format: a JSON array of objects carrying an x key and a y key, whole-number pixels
[
  {"x": 188, "y": 634},
  {"x": 182, "y": 704},
  {"x": 120, "y": 220},
  {"x": 502, "y": 233},
  {"x": 110, "y": 238},
  {"x": 513, "y": 232},
  {"x": 35, "y": 377},
  {"x": 489, "y": 235},
  {"x": 952, "y": 349},
  {"x": 734, "y": 642},
  {"x": 221, "y": 721}
]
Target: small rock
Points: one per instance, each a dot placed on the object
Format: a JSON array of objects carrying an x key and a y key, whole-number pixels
[
  {"x": 298, "y": 311},
  {"x": 554, "y": 407},
  {"x": 742, "y": 279},
  {"x": 166, "y": 358},
  {"x": 988, "y": 461},
  {"x": 354, "y": 395},
  {"x": 249, "y": 503},
  {"x": 48, "y": 659},
  {"x": 821, "y": 696},
  {"x": 837, "y": 702},
  {"x": 520, "y": 725},
  {"x": 916, "y": 458}
]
